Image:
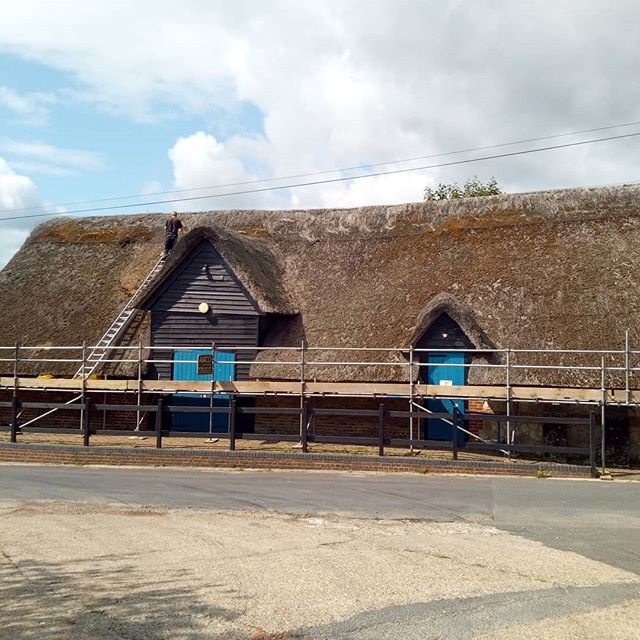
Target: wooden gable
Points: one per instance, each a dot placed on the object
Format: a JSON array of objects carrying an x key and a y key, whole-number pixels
[{"x": 203, "y": 277}]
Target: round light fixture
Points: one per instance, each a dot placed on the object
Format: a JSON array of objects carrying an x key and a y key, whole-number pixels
[{"x": 203, "y": 307}]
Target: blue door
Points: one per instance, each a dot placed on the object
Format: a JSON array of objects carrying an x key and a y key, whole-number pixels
[
  {"x": 446, "y": 374},
  {"x": 185, "y": 367}
]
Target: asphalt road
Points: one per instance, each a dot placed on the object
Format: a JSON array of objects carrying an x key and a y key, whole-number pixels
[
  {"x": 598, "y": 519},
  {"x": 114, "y": 553}
]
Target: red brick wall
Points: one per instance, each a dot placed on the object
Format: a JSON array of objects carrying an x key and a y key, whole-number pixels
[
  {"x": 274, "y": 423},
  {"x": 71, "y": 418},
  {"x": 336, "y": 425},
  {"x": 477, "y": 406},
  {"x": 48, "y": 454}
]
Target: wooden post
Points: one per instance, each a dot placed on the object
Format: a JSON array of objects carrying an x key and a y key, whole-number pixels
[
  {"x": 627, "y": 367},
  {"x": 303, "y": 425},
  {"x": 592, "y": 443},
  {"x": 305, "y": 421},
  {"x": 83, "y": 379},
  {"x": 14, "y": 397},
  {"x": 508, "y": 389},
  {"x": 232, "y": 425},
  {"x": 411, "y": 397},
  {"x": 14, "y": 417},
  {"x": 381, "y": 430},
  {"x": 603, "y": 419},
  {"x": 159, "y": 413},
  {"x": 138, "y": 414},
  {"x": 213, "y": 384},
  {"x": 85, "y": 421},
  {"x": 454, "y": 432}
]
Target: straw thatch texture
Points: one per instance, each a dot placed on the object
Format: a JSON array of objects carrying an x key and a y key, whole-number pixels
[{"x": 541, "y": 270}]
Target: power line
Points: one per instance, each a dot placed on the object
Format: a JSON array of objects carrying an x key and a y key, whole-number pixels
[
  {"x": 331, "y": 180},
  {"x": 326, "y": 171}
]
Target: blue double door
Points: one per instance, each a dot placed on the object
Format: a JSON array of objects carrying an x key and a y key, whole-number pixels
[
  {"x": 448, "y": 372},
  {"x": 185, "y": 367}
]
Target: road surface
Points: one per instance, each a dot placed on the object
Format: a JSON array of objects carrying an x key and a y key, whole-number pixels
[{"x": 164, "y": 553}]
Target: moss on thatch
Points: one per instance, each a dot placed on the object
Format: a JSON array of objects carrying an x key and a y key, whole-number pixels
[
  {"x": 540, "y": 270},
  {"x": 73, "y": 231}
]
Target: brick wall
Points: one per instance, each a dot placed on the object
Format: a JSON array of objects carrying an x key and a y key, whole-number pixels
[
  {"x": 66, "y": 418},
  {"x": 274, "y": 423},
  {"x": 341, "y": 425},
  {"x": 63, "y": 454},
  {"x": 477, "y": 406},
  {"x": 335, "y": 425}
]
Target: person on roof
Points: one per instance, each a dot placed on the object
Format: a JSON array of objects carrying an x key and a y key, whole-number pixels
[{"x": 172, "y": 227}]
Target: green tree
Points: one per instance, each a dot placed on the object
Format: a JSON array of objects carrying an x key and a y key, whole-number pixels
[{"x": 472, "y": 188}]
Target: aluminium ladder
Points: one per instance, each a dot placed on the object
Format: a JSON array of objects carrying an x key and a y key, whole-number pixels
[{"x": 117, "y": 328}]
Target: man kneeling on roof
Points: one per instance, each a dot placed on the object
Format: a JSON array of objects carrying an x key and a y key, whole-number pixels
[{"x": 172, "y": 226}]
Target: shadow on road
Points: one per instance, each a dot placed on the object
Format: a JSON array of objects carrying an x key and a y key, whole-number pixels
[{"x": 105, "y": 597}]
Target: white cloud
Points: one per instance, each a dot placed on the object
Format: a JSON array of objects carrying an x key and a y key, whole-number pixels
[
  {"x": 393, "y": 189},
  {"x": 31, "y": 108},
  {"x": 41, "y": 168},
  {"x": 344, "y": 83},
  {"x": 151, "y": 186},
  {"x": 52, "y": 156},
  {"x": 199, "y": 160},
  {"x": 16, "y": 192}
]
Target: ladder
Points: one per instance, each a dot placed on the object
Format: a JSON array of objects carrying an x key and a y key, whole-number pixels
[{"x": 117, "y": 328}]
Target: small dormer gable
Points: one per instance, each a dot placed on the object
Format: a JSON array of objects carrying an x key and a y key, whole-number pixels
[{"x": 202, "y": 277}]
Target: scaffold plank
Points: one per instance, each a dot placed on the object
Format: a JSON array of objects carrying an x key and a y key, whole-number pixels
[{"x": 364, "y": 389}]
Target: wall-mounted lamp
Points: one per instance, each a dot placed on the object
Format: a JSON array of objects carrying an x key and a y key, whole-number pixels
[
  {"x": 203, "y": 307},
  {"x": 444, "y": 334}
]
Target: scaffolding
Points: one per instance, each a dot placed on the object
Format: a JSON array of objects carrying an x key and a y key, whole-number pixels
[
  {"x": 412, "y": 360},
  {"x": 614, "y": 368}
]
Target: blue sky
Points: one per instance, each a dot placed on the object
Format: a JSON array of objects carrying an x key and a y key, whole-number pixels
[
  {"x": 129, "y": 155},
  {"x": 104, "y": 99}
]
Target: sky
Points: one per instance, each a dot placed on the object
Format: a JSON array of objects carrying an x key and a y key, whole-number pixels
[{"x": 103, "y": 99}]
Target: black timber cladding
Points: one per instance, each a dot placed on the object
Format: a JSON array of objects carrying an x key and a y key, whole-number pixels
[
  {"x": 444, "y": 333},
  {"x": 203, "y": 278},
  {"x": 187, "y": 330},
  {"x": 233, "y": 319}
]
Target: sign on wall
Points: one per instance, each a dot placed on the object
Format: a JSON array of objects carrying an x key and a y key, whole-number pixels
[{"x": 205, "y": 364}]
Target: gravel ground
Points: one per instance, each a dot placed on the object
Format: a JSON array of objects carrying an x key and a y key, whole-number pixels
[{"x": 78, "y": 570}]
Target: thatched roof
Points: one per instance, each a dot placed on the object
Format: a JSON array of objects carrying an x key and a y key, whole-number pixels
[{"x": 541, "y": 270}]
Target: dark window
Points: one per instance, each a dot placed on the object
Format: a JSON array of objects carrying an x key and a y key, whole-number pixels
[{"x": 444, "y": 333}]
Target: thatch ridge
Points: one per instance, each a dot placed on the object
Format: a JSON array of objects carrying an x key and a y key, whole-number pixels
[
  {"x": 442, "y": 216},
  {"x": 378, "y": 220}
]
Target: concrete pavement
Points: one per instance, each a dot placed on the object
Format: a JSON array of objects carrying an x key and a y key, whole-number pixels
[{"x": 158, "y": 553}]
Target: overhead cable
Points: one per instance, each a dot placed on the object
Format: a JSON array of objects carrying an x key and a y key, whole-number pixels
[
  {"x": 326, "y": 171},
  {"x": 327, "y": 180}
]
